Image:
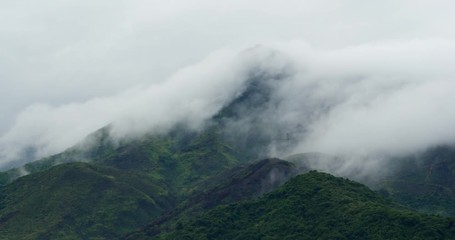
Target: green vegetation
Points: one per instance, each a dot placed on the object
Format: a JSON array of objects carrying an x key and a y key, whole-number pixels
[
  {"x": 120, "y": 189},
  {"x": 315, "y": 206},
  {"x": 239, "y": 183},
  {"x": 425, "y": 182},
  {"x": 78, "y": 200}
]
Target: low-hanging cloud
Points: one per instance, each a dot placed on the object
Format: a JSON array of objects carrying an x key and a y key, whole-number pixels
[
  {"x": 191, "y": 96},
  {"x": 359, "y": 77},
  {"x": 392, "y": 97},
  {"x": 384, "y": 98}
]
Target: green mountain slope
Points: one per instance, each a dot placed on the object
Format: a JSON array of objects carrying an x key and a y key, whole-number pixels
[
  {"x": 425, "y": 182},
  {"x": 239, "y": 183},
  {"x": 120, "y": 189},
  {"x": 315, "y": 206},
  {"x": 181, "y": 157},
  {"x": 78, "y": 200}
]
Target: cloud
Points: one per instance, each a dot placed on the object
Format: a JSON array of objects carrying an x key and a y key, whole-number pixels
[
  {"x": 191, "y": 96},
  {"x": 393, "y": 97},
  {"x": 388, "y": 98},
  {"x": 70, "y": 67}
]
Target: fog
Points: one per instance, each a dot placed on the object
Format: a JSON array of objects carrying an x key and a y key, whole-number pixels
[{"x": 361, "y": 78}]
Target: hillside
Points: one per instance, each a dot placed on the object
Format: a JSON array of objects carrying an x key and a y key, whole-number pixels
[
  {"x": 425, "y": 181},
  {"x": 315, "y": 206},
  {"x": 247, "y": 181},
  {"x": 117, "y": 191},
  {"x": 78, "y": 200},
  {"x": 82, "y": 200}
]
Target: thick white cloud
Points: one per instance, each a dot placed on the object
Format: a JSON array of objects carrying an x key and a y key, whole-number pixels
[
  {"x": 191, "y": 95},
  {"x": 70, "y": 67},
  {"x": 395, "y": 97}
]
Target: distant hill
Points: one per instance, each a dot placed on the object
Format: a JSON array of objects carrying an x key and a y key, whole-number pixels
[
  {"x": 424, "y": 181},
  {"x": 117, "y": 189},
  {"x": 315, "y": 206},
  {"x": 79, "y": 200}
]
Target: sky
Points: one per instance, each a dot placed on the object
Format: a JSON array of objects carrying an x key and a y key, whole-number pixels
[{"x": 68, "y": 68}]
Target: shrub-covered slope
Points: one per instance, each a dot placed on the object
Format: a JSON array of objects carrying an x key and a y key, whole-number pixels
[
  {"x": 239, "y": 183},
  {"x": 425, "y": 182},
  {"x": 315, "y": 206},
  {"x": 119, "y": 190},
  {"x": 77, "y": 201}
]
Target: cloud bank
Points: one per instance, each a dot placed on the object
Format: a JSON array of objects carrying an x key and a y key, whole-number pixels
[
  {"x": 363, "y": 77},
  {"x": 191, "y": 95},
  {"x": 394, "y": 97}
]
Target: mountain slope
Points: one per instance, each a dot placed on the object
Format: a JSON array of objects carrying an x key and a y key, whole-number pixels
[
  {"x": 78, "y": 200},
  {"x": 315, "y": 206},
  {"x": 425, "y": 181},
  {"x": 247, "y": 181},
  {"x": 120, "y": 189}
]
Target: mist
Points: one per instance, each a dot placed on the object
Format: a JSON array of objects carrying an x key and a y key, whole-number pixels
[{"x": 347, "y": 78}]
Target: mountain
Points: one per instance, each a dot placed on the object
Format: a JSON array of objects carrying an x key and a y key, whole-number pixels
[
  {"x": 162, "y": 170},
  {"x": 224, "y": 132},
  {"x": 169, "y": 185},
  {"x": 116, "y": 190},
  {"x": 315, "y": 206}
]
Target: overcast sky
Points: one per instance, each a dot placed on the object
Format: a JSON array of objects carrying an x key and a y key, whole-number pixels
[{"x": 69, "y": 67}]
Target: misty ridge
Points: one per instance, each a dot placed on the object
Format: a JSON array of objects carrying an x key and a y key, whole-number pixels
[{"x": 359, "y": 106}]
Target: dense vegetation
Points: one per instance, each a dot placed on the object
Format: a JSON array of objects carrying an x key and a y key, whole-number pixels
[
  {"x": 78, "y": 200},
  {"x": 161, "y": 182},
  {"x": 425, "y": 182},
  {"x": 119, "y": 190},
  {"x": 239, "y": 183},
  {"x": 315, "y": 206}
]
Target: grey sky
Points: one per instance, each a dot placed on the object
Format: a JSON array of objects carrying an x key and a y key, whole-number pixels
[{"x": 67, "y": 67}]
